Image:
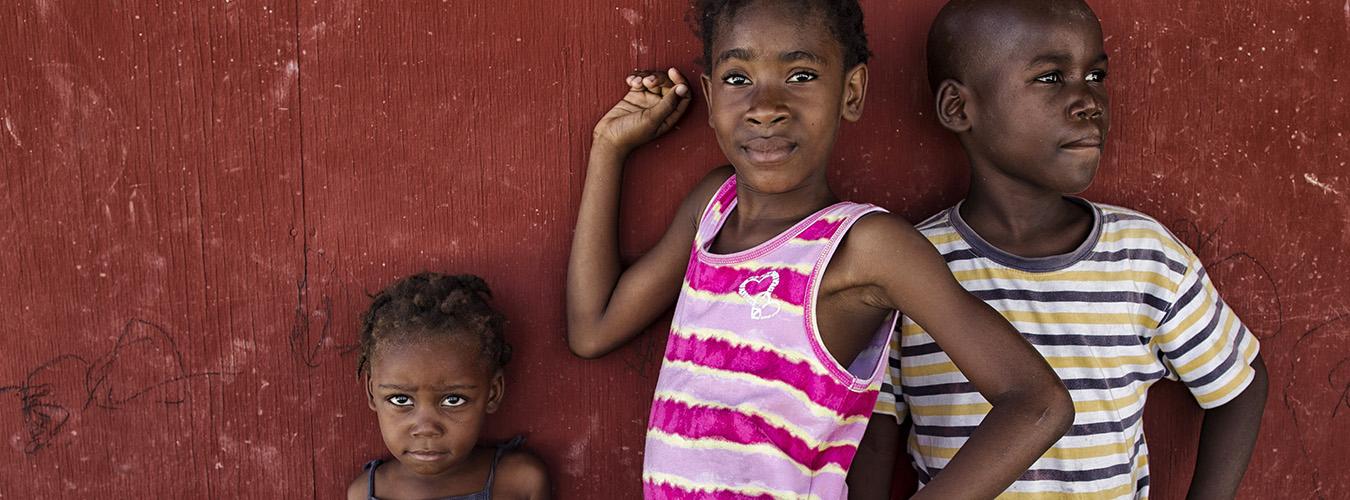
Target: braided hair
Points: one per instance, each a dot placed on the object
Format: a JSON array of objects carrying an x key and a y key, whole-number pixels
[{"x": 433, "y": 305}]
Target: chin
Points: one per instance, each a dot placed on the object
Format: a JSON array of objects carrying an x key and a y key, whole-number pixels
[
  {"x": 1080, "y": 181},
  {"x": 429, "y": 469},
  {"x": 1076, "y": 186}
]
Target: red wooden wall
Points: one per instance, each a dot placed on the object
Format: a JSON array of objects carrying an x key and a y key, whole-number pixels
[{"x": 196, "y": 197}]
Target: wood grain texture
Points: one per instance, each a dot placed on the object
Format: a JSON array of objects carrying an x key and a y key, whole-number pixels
[{"x": 197, "y": 197}]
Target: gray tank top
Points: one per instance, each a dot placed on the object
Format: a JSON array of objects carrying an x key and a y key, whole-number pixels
[{"x": 483, "y": 494}]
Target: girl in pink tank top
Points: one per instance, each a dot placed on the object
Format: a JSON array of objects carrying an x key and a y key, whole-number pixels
[{"x": 786, "y": 296}]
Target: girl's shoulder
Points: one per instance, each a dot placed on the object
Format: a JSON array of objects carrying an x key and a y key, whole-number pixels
[{"x": 521, "y": 474}]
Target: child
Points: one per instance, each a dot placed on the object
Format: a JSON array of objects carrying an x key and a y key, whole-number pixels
[
  {"x": 1107, "y": 295},
  {"x": 432, "y": 353},
  {"x": 785, "y": 295}
]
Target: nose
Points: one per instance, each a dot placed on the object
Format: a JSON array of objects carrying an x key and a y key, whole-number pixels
[
  {"x": 425, "y": 424},
  {"x": 767, "y": 107},
  {"x": 1089, "y": 104}
]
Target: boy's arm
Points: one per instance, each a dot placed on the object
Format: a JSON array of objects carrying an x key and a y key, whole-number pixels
[
  {"x": 874, "y": 465},
  {"x": 1227, "y": 437},
  {"x": 1204, "y": 345},
  {"x": 1031, "y": 409},
  {"x": 606, "y": 305}
]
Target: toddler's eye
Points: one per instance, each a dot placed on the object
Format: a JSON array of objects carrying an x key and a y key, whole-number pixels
[
  {"x": 1096, "y": 76},
  {"x": 453, "y": 401},
  {"x": 1052, "y": 77},
  {"x": 736, "y": 80},
  {"x": 399, "y": 400},
  {"x": 801, "y": 77}
]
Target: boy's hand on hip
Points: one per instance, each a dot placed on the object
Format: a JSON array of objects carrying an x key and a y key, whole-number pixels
[{"x": 651, "y": 107}]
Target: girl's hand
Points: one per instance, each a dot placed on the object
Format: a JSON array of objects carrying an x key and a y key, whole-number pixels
[{"x": 652, "y": 106}]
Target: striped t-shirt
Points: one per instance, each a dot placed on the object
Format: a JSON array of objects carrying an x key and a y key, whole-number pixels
[
  {"x": 749, "y": 404},
  {"x": 1128, "y": 307}
]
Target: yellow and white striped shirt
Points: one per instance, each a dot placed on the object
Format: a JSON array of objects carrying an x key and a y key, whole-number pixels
[{"x": 1130, "y": 306}]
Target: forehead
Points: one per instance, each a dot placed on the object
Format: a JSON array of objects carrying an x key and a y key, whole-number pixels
[
  {"x": 427, "y": 361},
  {"x": 1013, "y": 41},
  {"x": 770, "y": 29}
]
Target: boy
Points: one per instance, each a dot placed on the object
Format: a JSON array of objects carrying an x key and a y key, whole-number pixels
[{"x": 1107, "y": 295}]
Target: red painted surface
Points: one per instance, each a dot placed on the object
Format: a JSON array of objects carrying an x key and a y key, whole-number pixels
[{"x": 196, "y": 197}]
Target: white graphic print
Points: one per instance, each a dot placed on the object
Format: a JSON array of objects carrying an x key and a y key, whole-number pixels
[{"x": 760, "y": 295}]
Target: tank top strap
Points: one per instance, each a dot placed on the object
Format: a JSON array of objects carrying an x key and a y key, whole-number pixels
[
  {"x": 502, "y": 449},
  {"x": 715, "y": 213},
  {"x": 828, "y": 227},
  {"x": 853, "y": 211},
  {"x": 370, "y": 472}
]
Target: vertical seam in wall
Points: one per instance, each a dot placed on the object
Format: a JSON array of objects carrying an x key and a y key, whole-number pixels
[{"x": 304, "y": 234}]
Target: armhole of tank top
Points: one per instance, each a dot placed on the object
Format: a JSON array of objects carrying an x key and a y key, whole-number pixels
[{"x": 837, "y": 370}]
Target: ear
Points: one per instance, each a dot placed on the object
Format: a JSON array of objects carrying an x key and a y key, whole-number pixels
[
  {"x": 855, "y": 92},
  {"x": 706, "y": 84},
  {"x": 954, "y": 106},
  {"x": 370, "y": 396},
  {"x": 496, "y": 390}
]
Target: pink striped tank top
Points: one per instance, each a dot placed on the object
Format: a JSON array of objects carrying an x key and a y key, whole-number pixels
[{"x": 749, "y": 404}]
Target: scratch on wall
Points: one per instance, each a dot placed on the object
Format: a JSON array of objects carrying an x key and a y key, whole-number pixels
[
  {"x": 1312, "y": 179},
  {"x": 282, "y": 89},
  {"x": 9, "y": 127}
]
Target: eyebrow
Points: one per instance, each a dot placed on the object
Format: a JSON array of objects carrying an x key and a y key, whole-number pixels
[
  {"x": 1061, "y": 58},
  {"x": 413, "y": 388},
  {"x": 801, "y": 55},
  {"x": 747, "y": 55},
  {"x": 742, "y": 54}
]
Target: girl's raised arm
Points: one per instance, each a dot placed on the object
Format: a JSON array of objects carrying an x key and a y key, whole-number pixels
[{"x": 606, "y": 304}]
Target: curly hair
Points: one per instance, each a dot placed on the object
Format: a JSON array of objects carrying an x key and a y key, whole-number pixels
[
  {"x": 844, "y": 18},
  {"x": 434, "y": 305}
]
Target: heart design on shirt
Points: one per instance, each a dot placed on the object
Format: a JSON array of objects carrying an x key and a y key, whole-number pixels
[{"x": 762, "y": 305}]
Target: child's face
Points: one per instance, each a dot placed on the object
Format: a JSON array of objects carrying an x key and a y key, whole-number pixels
[
  {"x": 431, "y": 397},
  {"x": 1039, "y": 109},
  {"x": 776, "y": 91}
]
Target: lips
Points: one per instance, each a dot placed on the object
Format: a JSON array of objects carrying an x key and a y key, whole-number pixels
[
  {"x": 768, "y": 150},
  {"x": 1088, "y": 142},
  {"x": 427, "y": 455}
]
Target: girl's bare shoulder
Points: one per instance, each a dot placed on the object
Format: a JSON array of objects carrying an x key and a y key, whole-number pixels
[{"x": 521, "y": 474}]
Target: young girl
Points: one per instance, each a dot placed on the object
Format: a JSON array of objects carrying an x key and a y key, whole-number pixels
[
  {"x": 786, "y": 296},
  {"x": 432, "y": 353}
]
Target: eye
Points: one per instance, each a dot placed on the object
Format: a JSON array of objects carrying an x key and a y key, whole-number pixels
[
  {"x": 1051, "y": 77},
  {"x": 453, "y": 401},
  {"x": 802, "y": 77},
  {"x": 736, "y": 80},
  {"x": 399, "y": 400},
  {"x": 1096, "y": 76}
]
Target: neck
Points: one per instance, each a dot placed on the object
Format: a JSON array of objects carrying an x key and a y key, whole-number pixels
[
  {"x": 1023, "y": 219},
  {"x": 758, "y": 207}
]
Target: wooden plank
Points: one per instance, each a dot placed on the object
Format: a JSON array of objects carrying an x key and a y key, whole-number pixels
[{"x": 149, "y": 169}]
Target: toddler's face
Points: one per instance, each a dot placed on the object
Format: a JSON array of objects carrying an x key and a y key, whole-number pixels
[
  {"x": 776, "y": 95},
  {"x": 431, "y": 397}
]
